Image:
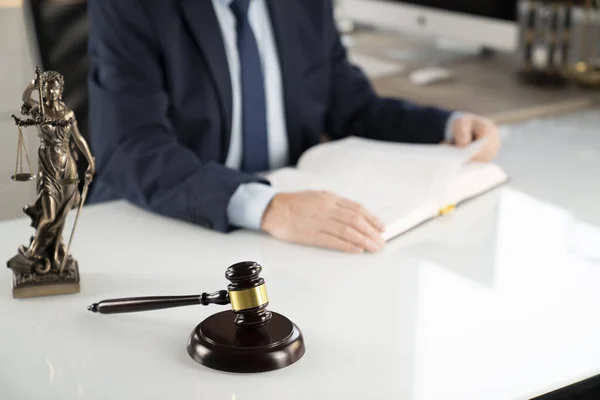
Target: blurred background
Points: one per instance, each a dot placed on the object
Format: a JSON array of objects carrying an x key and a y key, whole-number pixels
[
  {"x": 510, "y": 60},
  {"x": 15, "y": 71}
]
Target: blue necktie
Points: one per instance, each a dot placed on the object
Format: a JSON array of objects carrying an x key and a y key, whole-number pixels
[{"x": 255, "y": 150}]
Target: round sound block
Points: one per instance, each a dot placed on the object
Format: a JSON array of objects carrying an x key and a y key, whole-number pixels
[{"x": 220, "y": 344}]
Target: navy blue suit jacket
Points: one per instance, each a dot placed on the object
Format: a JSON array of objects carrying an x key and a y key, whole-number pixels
[{"x": 161, "y": 101}]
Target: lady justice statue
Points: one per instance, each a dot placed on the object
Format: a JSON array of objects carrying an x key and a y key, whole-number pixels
[{"x": 45, "y": 266}]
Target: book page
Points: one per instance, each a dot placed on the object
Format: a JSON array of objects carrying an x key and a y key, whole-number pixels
[
  {"x": 423, "y": 171},
  {"x": 471, "y": 180},
  {"x": 410, "y": 220}
]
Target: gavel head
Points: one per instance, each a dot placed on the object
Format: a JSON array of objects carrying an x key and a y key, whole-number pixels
[{"x": 248, "y": 295}]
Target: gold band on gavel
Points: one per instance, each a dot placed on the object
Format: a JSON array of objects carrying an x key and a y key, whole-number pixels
[{"x": 248, "y": 298}]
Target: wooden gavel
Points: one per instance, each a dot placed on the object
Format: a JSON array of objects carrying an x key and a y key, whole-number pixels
[
  {"x": 246, "y": 293},
  {"x": 247, "y": 338}
]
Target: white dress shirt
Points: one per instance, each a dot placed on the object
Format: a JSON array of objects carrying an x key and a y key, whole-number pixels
[{"x": 248, "y": 203}]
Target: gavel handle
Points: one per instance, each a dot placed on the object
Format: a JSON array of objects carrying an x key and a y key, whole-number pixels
[{"x": 136, "y": 304}]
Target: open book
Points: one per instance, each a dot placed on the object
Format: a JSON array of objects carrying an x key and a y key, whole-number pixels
[{"x": 402, "y": 184}]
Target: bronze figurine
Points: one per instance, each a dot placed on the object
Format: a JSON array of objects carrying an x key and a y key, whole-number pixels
[{"x": 45, "y": 267}]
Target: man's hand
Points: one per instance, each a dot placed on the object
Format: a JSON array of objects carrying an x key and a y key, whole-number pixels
[
  {"x": 323, "y": 219},
  {"x": 469, "y": 128}
]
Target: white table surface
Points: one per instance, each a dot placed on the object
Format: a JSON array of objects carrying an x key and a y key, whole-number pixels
[{"x": 497, "y": 301}]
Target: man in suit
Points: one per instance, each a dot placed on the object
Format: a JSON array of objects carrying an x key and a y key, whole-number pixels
[{"x": 190, "y": 99}]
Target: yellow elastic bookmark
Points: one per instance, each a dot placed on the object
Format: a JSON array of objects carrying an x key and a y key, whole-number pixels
[{"x": 447, "y": 210}]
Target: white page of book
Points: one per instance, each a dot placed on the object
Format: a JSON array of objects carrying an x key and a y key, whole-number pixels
[
  {"x": 424, "y": 171},
  {"x": 471, "y": 180}
]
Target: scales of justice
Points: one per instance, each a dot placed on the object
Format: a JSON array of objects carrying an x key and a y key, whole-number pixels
[{"x": 45, "y": 267}]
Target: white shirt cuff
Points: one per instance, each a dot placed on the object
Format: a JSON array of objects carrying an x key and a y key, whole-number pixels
[
  {"x": 448, "y": 136},
  {"x": 248, "y": 204}
]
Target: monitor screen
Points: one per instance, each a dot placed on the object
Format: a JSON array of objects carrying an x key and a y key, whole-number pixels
[
  {"x": 497, "y": 9},
  {"x": 489, "y": 23}
]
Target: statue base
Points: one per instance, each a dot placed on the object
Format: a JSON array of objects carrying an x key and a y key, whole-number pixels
[
  {"x": 220, "y": 344},
  {"x": 26, "y": 283}
]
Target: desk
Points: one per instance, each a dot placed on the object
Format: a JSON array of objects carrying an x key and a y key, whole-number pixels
[
  {"x": 498, "y": 301},
  {"x": 483, "y": 85}
]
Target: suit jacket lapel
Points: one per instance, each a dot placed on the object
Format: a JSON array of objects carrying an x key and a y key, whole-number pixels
[
  {"x": 204, "y": 26},
  {"x": 286, "y": 35}
]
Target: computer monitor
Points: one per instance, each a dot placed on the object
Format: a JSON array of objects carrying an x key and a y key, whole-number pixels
[{"x": 486, "y": 23}]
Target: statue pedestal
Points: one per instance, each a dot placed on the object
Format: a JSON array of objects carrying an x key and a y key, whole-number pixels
[{"x": 26, "y": 283}]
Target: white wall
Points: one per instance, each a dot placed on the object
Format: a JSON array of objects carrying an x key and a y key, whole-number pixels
[{"x": 16, "y": 70}]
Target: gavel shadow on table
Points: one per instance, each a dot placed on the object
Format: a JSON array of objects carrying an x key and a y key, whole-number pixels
[{"x": 248, "y": 338}]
